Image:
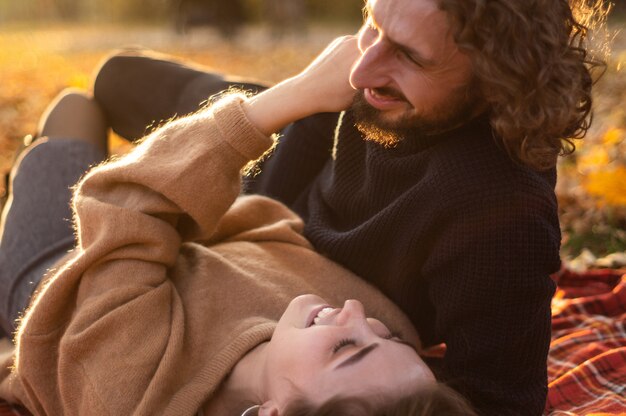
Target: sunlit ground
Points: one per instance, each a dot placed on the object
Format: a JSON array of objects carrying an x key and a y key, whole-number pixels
[{"x": 36, "y": 63}]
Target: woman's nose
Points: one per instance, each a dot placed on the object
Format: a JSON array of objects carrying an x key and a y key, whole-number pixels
[{"x": 352, "y": 310}]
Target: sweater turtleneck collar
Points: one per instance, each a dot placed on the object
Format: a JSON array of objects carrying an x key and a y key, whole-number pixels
[{"x": 416, "y": 142}]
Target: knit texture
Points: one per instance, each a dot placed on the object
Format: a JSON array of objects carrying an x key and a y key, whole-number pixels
[
  {"x": 451, "y": 229},
  {"x": 173, "y": 281}
]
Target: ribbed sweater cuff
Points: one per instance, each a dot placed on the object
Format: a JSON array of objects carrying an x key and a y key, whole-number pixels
[{"x": 235, "y": 127}]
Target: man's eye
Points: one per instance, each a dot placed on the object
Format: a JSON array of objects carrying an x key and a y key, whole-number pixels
[
  {"x": 343, "y": 343},
  {"x": 394, "y": 335},
  {"x": 410, "y": 58}
]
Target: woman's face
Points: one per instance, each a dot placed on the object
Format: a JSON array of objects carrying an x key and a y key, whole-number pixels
[{"x": 320, "y": 351}]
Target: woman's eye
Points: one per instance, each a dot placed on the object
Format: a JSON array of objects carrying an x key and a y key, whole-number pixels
[{"x": 343, "y": 343}]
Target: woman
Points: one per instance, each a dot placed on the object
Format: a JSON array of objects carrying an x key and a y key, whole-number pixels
[{"x": 171, "y": 301}]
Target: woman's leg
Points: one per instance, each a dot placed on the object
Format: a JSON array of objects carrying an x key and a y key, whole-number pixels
[
  {"x": 139, "y": 89},
  {"x": 36, "y": 228}
]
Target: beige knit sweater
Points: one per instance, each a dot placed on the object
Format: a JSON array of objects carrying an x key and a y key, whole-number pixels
[{"x": 174, "y": 278}]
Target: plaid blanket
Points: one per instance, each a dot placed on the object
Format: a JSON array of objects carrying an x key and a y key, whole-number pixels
[
  {"x": 587, "y": 361},
  {"x": 7, "y": 409}
]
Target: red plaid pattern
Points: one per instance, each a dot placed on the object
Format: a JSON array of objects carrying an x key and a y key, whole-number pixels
[
  {"x": 587, "y": 361},
  {"x": 7, "y": 409}
]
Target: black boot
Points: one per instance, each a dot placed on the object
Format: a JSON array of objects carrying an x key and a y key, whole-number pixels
[{"x": 139, "y": 89}]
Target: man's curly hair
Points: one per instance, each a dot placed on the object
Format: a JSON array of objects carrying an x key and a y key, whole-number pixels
[{"x": 534, "y": 69}]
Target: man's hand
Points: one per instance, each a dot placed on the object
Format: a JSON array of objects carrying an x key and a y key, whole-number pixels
[
  {"x": 323, "y": 86},
  {"x": 327, "y": 78}
]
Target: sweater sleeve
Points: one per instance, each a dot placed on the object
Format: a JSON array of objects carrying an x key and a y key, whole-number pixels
[
  {"x": 490, "y": 283},
  {"x": 182, "y": 177},
  {"x": 107, "y": 334}
]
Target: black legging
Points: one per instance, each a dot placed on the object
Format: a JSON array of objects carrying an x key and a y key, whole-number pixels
[{"x": 138, "y": 89}]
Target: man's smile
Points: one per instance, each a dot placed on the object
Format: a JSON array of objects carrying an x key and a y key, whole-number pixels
[{"x": 384, "y": 98}]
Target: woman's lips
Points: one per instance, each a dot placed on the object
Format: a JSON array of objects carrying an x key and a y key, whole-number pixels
[
  {"x": 314, "y": 314},
  {"x": 322, "y": 315},
  {"x": 382, "y": 102}
]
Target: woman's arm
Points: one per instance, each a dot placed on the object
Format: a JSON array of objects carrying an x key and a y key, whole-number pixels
[
  {"x": 132, "y": 216},
  {"x": 112, "y": 322},
  {"x": 322, "y": 87}
]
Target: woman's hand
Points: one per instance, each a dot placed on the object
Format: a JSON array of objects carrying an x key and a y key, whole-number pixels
[{"x": 323, "y": 86}]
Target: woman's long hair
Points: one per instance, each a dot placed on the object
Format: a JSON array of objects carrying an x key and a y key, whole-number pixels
[{"x": 435, "y": 400}]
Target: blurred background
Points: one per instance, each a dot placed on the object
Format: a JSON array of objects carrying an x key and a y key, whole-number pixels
[{"x": 47, "y": 45}]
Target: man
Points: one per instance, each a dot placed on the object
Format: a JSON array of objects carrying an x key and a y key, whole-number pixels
[{"x": 437, "y": 185}]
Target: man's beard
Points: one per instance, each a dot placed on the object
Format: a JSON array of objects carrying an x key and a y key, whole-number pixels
[{"x": 373, "y": 124}]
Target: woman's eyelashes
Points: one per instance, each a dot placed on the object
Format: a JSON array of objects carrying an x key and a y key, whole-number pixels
[
  {"x": 351, "y": 341},
  {"x": 343, "y": 343}
]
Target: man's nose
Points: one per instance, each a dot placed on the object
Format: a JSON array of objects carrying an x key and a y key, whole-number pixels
[{"x": 370, "y": 70}]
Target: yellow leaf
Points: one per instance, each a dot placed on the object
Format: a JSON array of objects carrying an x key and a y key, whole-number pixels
[
  {"x": 608, "y": 186},
  {"x": 79, "y": 81},
  {"x": 613, "y": 137},
  {"x": 597, "y": 156}
]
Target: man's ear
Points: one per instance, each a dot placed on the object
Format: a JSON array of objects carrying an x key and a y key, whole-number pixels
[{"x": 268, "y": 408}]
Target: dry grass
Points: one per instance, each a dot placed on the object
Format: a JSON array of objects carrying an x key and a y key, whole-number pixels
[{"x": 36, "y": 64}]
